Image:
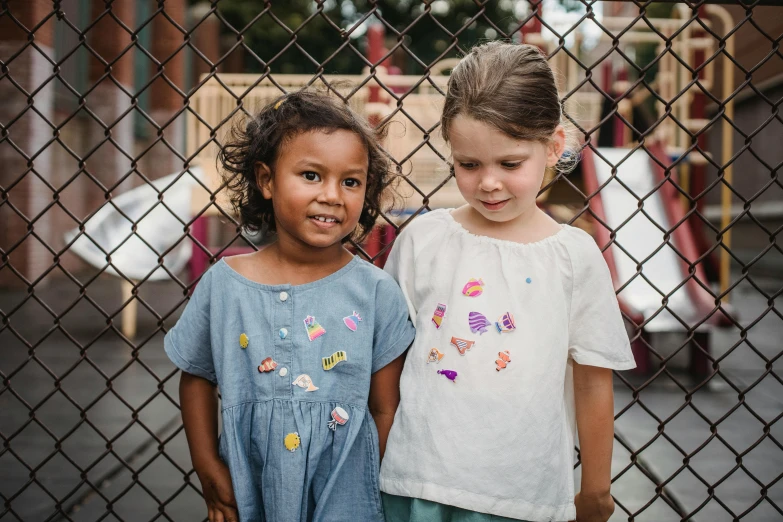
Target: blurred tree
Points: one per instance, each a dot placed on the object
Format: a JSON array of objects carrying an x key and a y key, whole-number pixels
[{"x": 268, "y": 30}]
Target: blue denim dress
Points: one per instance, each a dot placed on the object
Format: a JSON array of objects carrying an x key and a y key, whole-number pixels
[{"x": 293, "y": 365}]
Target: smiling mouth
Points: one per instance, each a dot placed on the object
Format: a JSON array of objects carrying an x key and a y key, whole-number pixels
[
  {"x": 494, "y": 205},
  {"x": 324, "y": 221}
]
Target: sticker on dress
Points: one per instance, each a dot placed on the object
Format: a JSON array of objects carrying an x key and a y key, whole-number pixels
[
  {"x": 352, "y": 321},
  {"x": 243, "y": 340},
  {"x": 304, "y": 381},
  {"x": 314, "y": 330},
  {"x": 332, "y": 360},
  {"x": 434, "y": 356},
  {"x": 503, "y": 359},
  {"x": 437, "y": 317},
  {"x": 449, "y": 374},
  {"x": 473, "y": 288},
  {"x": 292, "y": 441},
  {"x": 339, "y": 416},
  {"x": 478, "y": 322},
  {"x": 506, "y": 323},
  {"x": 462, "y": 345},
  {"x": 528, "y": 280},
  {"x": 267, "y": 365}
]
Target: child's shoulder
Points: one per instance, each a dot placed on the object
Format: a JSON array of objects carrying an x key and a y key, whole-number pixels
[
  {"x": 426, "y": 224},
  {"x": 369, "y": 273},
  {"x": 586, "y": 257},
  {"x": 578, "y": 242}
]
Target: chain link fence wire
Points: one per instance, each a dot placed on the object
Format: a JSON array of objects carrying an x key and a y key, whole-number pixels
[{"x": 111, "y": 208}]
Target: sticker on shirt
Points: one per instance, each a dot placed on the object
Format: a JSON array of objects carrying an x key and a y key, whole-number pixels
[
  {"x": 314, "y": 330},
  {"x": 449, "y": 374},
  {"x": 462, "y": 345},
  {"x": 506, "y": 323},
  {"x": 503, "y": 359},
  {"x": 339, "y": 416},
  {"x": 437, "y": 317},
  {"x": 292, "y": 441},
  {"x": 434, "y": 356},
  {"x": 473, "y": 288},
  {"x": 352, "y": 321},
  {"x": 305, "y": 382},
  {"x": 478, "y": 323},
  {"x": 332, "y": 360},
  {"x": 267, "y": 365},
  {"x": 243, "y": 340}
]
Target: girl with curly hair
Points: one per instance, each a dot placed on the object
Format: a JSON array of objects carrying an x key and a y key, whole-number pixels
[{"x": 302, "y": 338}]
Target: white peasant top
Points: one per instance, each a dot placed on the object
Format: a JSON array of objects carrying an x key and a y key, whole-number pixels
[{"x": 486, "y": 419}]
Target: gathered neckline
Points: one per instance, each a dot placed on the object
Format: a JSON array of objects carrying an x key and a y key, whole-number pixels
[{"x": 457, "y": 226}]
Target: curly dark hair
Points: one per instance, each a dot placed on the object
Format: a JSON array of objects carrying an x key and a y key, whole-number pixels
[{"x": 261, "y": 138}]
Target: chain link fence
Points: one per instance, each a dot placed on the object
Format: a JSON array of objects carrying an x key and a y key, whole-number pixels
[{"x": 111, "y": 208}]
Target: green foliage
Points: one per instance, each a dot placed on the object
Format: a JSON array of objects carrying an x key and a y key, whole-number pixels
[{"x": 319, "y": 39}]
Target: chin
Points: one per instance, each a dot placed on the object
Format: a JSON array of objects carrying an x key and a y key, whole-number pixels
[{"x": 498, "y": 217}]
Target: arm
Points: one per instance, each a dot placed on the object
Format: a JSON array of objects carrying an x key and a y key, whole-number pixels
[
  {"x": 198, "y": 398},
  {"x": 594, "y": 402},
  {"x": 384, "y": 398}
]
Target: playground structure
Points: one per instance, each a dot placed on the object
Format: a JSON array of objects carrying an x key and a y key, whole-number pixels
[
  {"x": 640, "y": 197},
  {"x": 614, "y": 179}
]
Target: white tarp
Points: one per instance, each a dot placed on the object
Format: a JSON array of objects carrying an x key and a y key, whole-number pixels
[{"x": 157, "y": 230}]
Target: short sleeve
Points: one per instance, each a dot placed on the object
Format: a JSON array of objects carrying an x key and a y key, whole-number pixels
[
  {"x": 597, "y": 335},
  {"x": 394, "y": 331},
  {"x": 400, "y": 265},
  {"x": 188, "y": 344}
]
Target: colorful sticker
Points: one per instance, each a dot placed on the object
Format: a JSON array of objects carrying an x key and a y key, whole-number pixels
[
  {"x": 267, "y": 365},
  {"x": 332, "y": 360},
  {"x": 506, "y": 323},
  {"x": 503, "y": 359},
  {"x": 434, "y": 356},
  {"x": 437, "y": 317},
  {"x": 305, "y": 382},
  {"x": 314, "y": 330},
  {"x": 473, "y": 288},
  {"x": 352, "y": 321},
  {"x": 449, "y": 374},
  {"x": 243, "y": 340},
  {"x": 339, "y": 416},
  {"x": 292, "y": 441},
  {"x": 463, "y": 345},
  {"x": 478, "y": 323},
  {"x": 528, "y": 280}
]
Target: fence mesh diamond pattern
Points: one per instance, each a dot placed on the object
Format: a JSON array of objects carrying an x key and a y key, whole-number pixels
[{"x": 111, "y": 208}]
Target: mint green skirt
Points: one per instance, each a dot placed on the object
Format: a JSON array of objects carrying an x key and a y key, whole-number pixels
[{"x": 404, "y": 509}]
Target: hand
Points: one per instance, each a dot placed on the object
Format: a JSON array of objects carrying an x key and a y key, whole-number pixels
[
  {"x": 593, "y": 508},
  {"x": 219, "y": 492}
]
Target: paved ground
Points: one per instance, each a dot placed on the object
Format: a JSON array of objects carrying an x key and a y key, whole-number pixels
[{"x": 104, "y": 447}]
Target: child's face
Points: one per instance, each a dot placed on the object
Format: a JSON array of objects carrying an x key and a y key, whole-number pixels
[
  {"x": 499, "y": 176},
  {"x": 318, "y": 186}
]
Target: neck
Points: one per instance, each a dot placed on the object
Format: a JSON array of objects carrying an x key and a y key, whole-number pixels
[
  {"x": 530, "y": 226},
  {"x": 303, "y": 259}
]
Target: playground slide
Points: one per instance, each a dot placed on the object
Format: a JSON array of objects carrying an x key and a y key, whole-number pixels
[
  {"x": 159, "y": 228},
  {"x": 639, "y": 238}
]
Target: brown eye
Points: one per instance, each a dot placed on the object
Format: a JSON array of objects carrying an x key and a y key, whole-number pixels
[{"x": 311, "y": 176}]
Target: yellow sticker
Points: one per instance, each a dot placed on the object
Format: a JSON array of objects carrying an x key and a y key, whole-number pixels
[
  {"x": 292, "y": 441},
  {"x": 332, "y": 360},
  {"x": 243, "y": 340}
]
